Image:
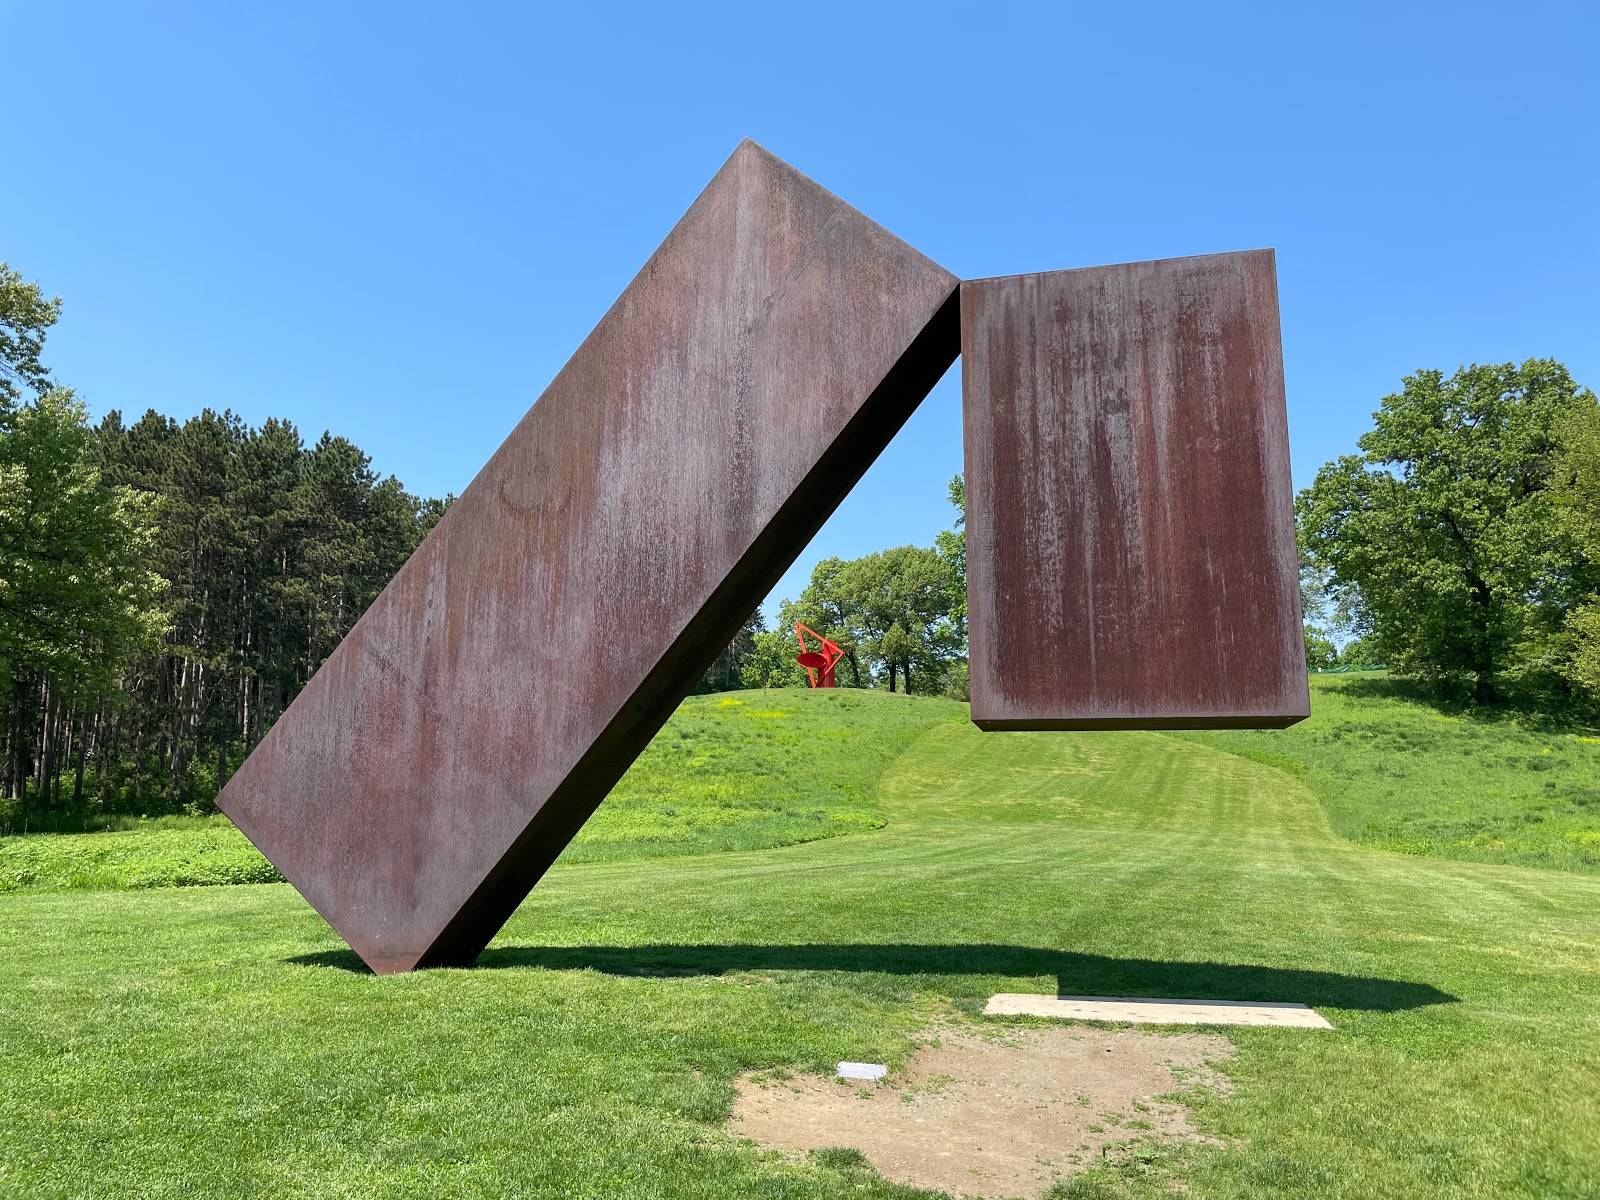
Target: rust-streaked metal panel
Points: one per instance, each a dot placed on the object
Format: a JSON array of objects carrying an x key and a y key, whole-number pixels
[
  {"x": 1130, "y": 530},
  {"x": 478, "y": 713}
]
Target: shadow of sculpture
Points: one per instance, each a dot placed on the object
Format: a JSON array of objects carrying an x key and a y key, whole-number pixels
[{"x": 1075, "y": 973}]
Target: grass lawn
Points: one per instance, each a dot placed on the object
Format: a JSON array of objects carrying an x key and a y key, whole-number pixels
[
  {"x": 221, "y": 1042},
  {"x": 1396, "y": 772},
  {"x": 164, "y": 853}
]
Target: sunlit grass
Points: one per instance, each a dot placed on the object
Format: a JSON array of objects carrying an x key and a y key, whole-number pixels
[
  {"x": 221, "y": 1042},
  {"x": 1397, "y": 772},
  {"x": 751, "y": 770},
  {"x": 169, "y": 852}
]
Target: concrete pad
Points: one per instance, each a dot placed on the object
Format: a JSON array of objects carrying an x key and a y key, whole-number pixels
[
  {"x": 1142, "y": 1010},
  {"x": 855, "y": 1070}
]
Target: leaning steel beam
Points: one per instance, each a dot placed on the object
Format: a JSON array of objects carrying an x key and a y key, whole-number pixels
[
  {"x": 439, "y": 761},
  {"x": 1130, "y": 534}
]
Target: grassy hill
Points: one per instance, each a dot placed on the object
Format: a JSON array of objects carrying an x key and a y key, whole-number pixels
[
  {"x": 221, "y": 1042},
  {"x": 752, "y": 770},
  {"x": 1396, "y": 772}
]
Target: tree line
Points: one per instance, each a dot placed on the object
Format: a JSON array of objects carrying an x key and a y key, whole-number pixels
[{"x": 898, "y": 616}]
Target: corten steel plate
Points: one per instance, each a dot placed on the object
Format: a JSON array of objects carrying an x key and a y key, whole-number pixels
[
  {"x": 476, "y": 715},
  {"x": 1131, "y": 554}
]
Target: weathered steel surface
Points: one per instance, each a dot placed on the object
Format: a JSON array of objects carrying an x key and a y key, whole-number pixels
[
  {"x": 1130, "y": 533},
  {"x": 476, "y": 715}
]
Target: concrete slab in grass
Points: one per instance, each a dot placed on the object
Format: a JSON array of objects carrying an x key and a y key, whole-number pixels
[
  {"x": 855, "y": 1070},
  {"x": 1142, "y": 1010}
]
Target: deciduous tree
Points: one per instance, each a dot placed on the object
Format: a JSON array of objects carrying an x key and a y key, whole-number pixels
[
  {"x": 1577, "y": 494},
  {"x": 1446, "y": 522},
  {"x": 25, "y": 317}
]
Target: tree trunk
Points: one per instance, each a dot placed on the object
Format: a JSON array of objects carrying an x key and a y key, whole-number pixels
[
  {"x": 47, "y": 747},
  {"x": 138, "y": 765},
  {"x": 13, "y": 743},
  {"x": 83, "y": 748},
  {"x": 1483, "y": 689},
  {"x": 67, "y": 727},
  {"x": 18, "y": 747},
  {"x": 1483, "y": 666}
]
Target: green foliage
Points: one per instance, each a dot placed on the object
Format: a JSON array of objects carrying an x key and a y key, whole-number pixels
[
  {"x": 264, "y": 552},
  {"x": 1582, "y": 662},
  {"x": 1320, "y": 650},
  {"x": 1397, "y": 772},
  {"x": 890, "y": 612},
  {"x": 771, "y": 661},
  {"x": 952, "y": 547},
  {"x": 77, "y": 597},
  {"x": 222, "y": 1042},
  {"x": 727, "y": 673},
  {"x": 1577, "y": 495},
  {"x": 1445, "y": 524},
  {"x": 958, "y": 681},
  {"x": 827, "y": 606},
  {"x": 165, "y": 588},
  {"x": 25, "y": 318},
  {"x": 1359, "y": 653},
  {"x": 899, "y": 618}
]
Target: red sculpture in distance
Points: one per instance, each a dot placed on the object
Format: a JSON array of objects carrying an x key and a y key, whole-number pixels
[{"x": 818, "y": 663}]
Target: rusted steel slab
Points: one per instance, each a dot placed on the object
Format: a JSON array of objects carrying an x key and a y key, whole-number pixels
[
  {"x": 1131, "y": 554},
  {"x": 474, "y": 718}
]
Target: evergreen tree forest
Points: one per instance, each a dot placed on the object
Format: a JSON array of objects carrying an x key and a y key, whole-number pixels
[{"x": 270, "y": 549}]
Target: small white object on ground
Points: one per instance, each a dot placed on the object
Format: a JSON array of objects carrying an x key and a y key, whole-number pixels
[
  {"x": 1143, "y": 1010},
  {"x": 849, "y": 1070}
]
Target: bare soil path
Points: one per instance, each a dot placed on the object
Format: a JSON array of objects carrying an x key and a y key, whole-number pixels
[{"x": 998, "y": 1112}]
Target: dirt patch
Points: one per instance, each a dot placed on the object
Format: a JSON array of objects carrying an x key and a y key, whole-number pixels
[{"x": 991, "y": 1113}]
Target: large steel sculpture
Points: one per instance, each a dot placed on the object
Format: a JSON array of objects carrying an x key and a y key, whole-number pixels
[{"x": 1130, "y": 539}]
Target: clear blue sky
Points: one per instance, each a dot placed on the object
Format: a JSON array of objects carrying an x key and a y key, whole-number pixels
[{"x": 397, "y": 221}]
